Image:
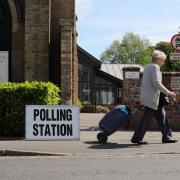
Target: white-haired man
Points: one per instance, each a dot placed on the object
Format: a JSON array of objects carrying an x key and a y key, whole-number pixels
[{"x": 151, "y": 87}]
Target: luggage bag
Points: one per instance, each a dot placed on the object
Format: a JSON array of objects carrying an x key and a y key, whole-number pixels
[{"x": 112, "y": 121}]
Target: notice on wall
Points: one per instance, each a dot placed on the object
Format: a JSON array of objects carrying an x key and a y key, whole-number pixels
[
  {"x": 4, "y": 66},
  {"x": 44, "y": 122},
  {"x": 132, "y": 74},
  {"x": 175, "y": 83},
  {"x": 175, "y": 56}
]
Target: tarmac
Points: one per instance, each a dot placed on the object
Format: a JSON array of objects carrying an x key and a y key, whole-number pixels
[{"x": 118, "y": 143}]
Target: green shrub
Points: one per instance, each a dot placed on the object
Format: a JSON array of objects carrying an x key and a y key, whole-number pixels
[
  {"x": 101, "y": 109},
  {"x": 14, "y": 97},
  {"x": 79, "y": 103},
  {"x": 88, "y": 108}
]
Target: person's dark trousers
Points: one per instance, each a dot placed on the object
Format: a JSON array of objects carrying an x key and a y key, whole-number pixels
[{"x": 161, "y": 118}]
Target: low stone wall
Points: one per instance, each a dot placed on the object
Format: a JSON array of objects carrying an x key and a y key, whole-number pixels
[
  {"x": 131, "y": 94},
  {"x": 173, "y": 110}
]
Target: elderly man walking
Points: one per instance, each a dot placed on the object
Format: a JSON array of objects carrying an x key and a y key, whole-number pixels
[{"x": 149, "y": 96}]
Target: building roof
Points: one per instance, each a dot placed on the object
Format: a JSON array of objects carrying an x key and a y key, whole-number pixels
[
  {"x": 116, "y": 70},
  {"x": 90, "y": 58},
  {"x": 110, "y": 70}
]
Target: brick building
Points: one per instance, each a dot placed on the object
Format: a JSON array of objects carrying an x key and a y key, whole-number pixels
[{"x": 40, "y": 38}]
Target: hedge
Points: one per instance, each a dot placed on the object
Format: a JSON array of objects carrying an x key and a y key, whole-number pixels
[{"x": 14, "y": 97}]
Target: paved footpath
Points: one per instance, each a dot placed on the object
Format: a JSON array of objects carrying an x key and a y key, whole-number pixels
[{"x": 118, "y": 144}]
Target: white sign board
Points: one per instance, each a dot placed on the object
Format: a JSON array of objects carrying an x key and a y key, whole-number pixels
[
  {"x": 132, "y": 74},
  {"x": 49, "y": 122},
  {"x": 4, "y": 66},
  {"x": 175, "y": 56},
  {"x": 175, "y": 83}
]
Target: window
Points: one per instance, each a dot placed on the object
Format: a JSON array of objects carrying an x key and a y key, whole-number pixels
[
  {"x": 85, "y": 84},
  {"x": 96, "y": 90},
  {"x": 105, "y": 91}
]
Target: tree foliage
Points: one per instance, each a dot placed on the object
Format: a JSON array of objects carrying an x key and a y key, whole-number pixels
[
  {"x": 132, "y": 49},
  {"x": 167, "y": 49}
]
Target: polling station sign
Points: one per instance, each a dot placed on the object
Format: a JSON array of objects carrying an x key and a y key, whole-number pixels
[{"x": 49, "y": 122}]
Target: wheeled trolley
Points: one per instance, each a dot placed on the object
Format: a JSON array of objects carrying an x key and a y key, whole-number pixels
[{"x": 112, "y": 121}]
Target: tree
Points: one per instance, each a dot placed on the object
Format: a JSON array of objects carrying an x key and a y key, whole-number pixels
[
  {"x": 167, "y": 49},
  {"x": 132, "y": 49},
  {"x": 114, "y": 53}
]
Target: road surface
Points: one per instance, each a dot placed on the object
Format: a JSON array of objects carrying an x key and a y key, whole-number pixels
[{"x": 92, "y": 167}]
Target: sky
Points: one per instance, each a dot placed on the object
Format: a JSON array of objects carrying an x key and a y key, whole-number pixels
[{"x": 102, "y": 21}]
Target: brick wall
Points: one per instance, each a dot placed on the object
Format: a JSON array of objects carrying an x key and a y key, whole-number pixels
[
  {"x": 69, "y": 69},
  {"x": 66, "y": 60},
  {"x": 63, "y": 48},
  {"x": 131, "y": 94},
  {"x": 37, "y": 40},
  {"x": 44, "y": 43},
  {"x": 173, "y": 110}
]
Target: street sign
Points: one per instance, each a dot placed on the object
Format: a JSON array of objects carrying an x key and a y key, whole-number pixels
[
  {"x": 132, "y": 75},
  {"x": 175, "y": 83},
  {"x": 175, "y": 42},
  {"x": 49, "y": 122},
  {"x": 175, "y": 56},
  {"x": 4, "y": 66}
]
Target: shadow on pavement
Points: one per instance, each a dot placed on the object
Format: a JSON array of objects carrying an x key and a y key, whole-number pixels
[
  {"x": 11, "y": 138},
  {"x": 92, "y": 128},
  {"x": 108, "y": 145}
]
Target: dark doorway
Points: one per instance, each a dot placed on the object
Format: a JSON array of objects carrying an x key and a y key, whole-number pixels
[
  {"x": 5, "y": 29},
  {"x": 5, "y": 26}
]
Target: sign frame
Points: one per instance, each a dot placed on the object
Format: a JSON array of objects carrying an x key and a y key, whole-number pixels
[
  {"x": 59, "y": 124},
  {"x": 174, "y": 84},
  {"x": 175, "y": 56},
  {"x": 4, "y": 66},
  {"x": 174, "y": 44},
  {"x": 132, "y": 75}
]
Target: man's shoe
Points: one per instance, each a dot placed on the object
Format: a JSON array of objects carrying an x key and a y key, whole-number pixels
[
  {"x": 169, "y": 140},
  {"x": 140, "y": 142}
]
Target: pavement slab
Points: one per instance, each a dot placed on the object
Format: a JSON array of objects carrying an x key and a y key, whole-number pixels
[{"x": 118, "y": 143}]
